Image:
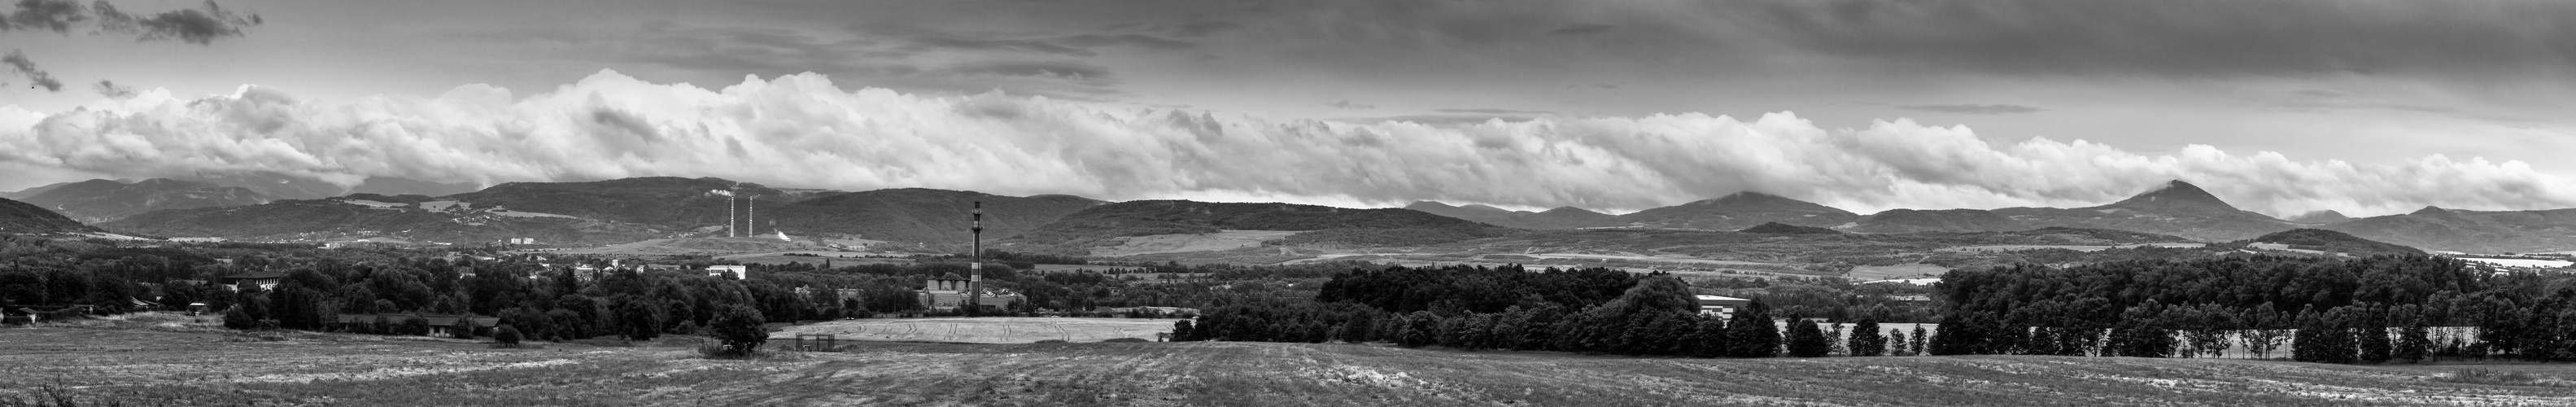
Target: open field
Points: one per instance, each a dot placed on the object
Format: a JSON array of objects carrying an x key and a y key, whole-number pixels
[
  {"x": 983, "y": 330},
  {"x": 1081, "y": 267},
  {"x": 145, "y": 366},
  {"x": 1179, "y": 243},
  {"x": 1908, "y": 270},
  {"x": 2080, "y": 248},
  {"x": 2522, "y": 262},
  {"x": 816, "y": 257}
]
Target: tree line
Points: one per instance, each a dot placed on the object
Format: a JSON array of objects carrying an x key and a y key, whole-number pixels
[
  {"x": 2334, "y": 310},
  {"x": 1597, "y": 311}
]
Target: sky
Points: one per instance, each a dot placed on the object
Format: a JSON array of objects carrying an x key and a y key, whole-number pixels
[{"x": 2281, "y": 107}]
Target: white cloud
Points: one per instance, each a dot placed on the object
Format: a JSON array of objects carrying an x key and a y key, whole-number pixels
[{"x": 802, "y": 130}]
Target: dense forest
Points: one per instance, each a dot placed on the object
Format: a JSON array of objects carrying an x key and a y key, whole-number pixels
[
  {"x": 2370, "y": 310},
  {"x": 1595, "y": 310}
]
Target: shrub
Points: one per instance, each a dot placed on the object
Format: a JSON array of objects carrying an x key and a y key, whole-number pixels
[
  {"x": 415, "y": 326},
  {"x": 738, "y": 328},
  {"x": 507, "y": 336},
  {"x": 464, "y": 328}
]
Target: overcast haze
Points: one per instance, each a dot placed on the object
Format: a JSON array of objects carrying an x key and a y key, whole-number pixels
[{"x": 2282, "y": 107}]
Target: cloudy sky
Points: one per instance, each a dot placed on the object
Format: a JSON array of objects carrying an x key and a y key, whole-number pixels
[{"x": 2279, "y": 106}]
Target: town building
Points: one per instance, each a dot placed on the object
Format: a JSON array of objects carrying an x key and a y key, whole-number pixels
[
  {"x": 947, "y": 292},
  {"x": 737, "y": 272},
  {"x": 265, "y": 280}
]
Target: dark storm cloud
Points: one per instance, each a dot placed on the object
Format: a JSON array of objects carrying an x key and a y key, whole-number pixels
[
  {"x": 19, "y": 64},
  {"x": 1973, "y": 108},
  {"x": 199, "y": 26},
  {"x": 112, "y": 90},
  {"x": 1581, "y": 29},
  {"x": 2180, "y": 37},
  {"x": 192, "y": 25},
  {"x": 50, "y": 15}
]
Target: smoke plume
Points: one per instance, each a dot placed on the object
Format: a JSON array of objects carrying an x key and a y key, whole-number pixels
[{"x": 803, "y": 131}]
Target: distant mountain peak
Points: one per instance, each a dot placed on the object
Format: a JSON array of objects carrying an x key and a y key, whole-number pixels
[
  {"x": 2430, "y": 210},
  {"x": 2320, "y": 216},
  {"x": 1745, "y": 197},
  {"x": 2173, "y": 194}
]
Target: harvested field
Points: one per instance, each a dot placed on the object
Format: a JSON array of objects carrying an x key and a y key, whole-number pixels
[
  {"x": 1182, "y": 243},
  {"x": 983, "y": 330},
  {"x": 145, "y": 365},
  {"x": 1908, "y": 270}
]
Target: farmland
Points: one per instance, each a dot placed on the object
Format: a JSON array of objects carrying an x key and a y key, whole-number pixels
[
  {"x": 983, "y": 330},
  {"x": 180, "y": 363}
]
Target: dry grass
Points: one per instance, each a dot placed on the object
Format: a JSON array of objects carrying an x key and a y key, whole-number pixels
[
  {"x": 189, "y": 368},
  {"x": 982, "y": 330}
]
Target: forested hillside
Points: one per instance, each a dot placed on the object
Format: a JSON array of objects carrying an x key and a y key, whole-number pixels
[{"x": 20, "y": 217}]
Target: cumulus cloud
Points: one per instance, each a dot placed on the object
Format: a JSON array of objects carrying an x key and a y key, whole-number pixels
[
  {"x": 802, "y": 130},
  {"x": 19, "y": 64}
]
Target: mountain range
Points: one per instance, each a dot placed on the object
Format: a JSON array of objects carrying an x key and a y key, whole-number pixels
[
  {"x": 2177, "y": 208},
  {"x": 1732, "y": 212},
  {"x": 99, "y": 200},
  {"x": 631, "y": 209}
]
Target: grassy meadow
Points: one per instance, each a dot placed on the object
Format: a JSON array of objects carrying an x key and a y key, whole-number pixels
[{"x": 177, "y": 361}]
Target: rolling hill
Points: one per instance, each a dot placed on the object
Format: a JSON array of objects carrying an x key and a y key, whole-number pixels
[
  {"x": 412, "y": 217},
  {"x": 2177, "y": 208},
  {"x": 1738, "y": 211},
  {"x": 2320, "y": 217},
  {"x": 1103, "y": 225},
  {"x": 20, "y": 217},
  {"x": 2470, "y": 231},
  {"x": 923, "y": 215},
  {"x": 1560, "y": 218},
  {"x": 1732, "y": 212},
  {"x": 100, "y": 200},
  {"x": 2327, "y": 241}
]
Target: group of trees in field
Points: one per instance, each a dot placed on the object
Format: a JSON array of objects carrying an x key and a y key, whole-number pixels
[
  {"x": 544, "y": 297},
  {"x": 1598, "y": 311},
  {"x": 2369, "y": 310}
]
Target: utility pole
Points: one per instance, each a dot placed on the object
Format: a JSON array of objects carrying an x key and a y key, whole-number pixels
[{"x": 975, "y": 269}]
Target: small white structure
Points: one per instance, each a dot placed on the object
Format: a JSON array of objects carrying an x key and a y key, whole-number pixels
[
  {"x": 737, "y": 272},
  {"x": 1721, "y": 306}
]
